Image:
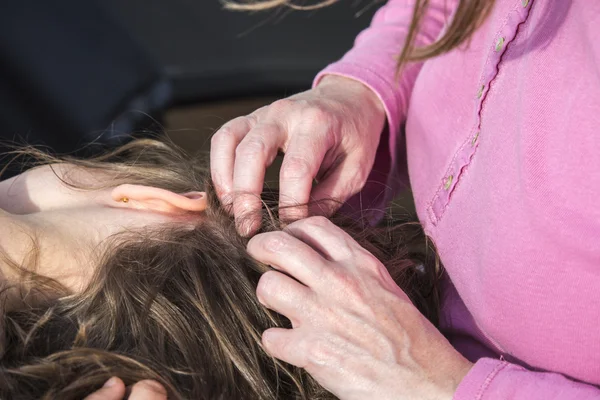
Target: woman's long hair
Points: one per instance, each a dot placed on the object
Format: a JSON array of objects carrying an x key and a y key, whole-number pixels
[
  {"x": 173, "y": 303},
  {"x": 469, "y": 15}
]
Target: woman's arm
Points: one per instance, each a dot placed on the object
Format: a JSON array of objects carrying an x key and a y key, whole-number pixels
[
  {"x": 373, "y": 59},
  {"x": 491, "y": 379},
  {"x": 358, "y": 335},
  {"x": 373, "y": 62},
  {"x": 339, "y": 121}
]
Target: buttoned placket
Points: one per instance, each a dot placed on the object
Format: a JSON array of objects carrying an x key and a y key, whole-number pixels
[{"x": 462, "y": 158}]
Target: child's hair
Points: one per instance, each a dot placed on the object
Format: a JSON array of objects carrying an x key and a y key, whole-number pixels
[{"x": 176, "y": 304}]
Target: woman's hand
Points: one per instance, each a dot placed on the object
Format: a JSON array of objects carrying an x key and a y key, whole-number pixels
[
  {"x": 329, "y": 133},
  {"x": 354, "y": 330},
  {"x": 114, "y": 389}
]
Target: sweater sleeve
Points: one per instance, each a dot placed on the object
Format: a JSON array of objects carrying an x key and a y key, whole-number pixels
[
  {"x": 373, "y": 61},
  {"x": 491, "y": 379}
]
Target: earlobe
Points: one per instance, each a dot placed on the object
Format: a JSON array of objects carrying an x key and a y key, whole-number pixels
[{"x": 161, "y": 200}]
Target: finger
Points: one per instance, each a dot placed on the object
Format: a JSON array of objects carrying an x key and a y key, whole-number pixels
[
  {"x": 288, "y": 254},
  {"x": 148, "y": 390},
  {"x": 301, "y": 162},
  {"x": 284, "y": 295},
  {"x": 113, "y": 389},
  {"x": 286, "y": 345},
  {"x": 325, "y": 237},
  {"x": 222, "y": 153},
  {"x": 342, "y": 182},
  {"x": 252, "y": 157}
]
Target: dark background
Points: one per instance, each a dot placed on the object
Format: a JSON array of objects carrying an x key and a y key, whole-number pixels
[
  {"x": 74, "y": 72},
  {"x": 209, "y": 53}
]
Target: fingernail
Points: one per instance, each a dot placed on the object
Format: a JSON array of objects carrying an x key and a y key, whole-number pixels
[{"x": 111, "y": 382}]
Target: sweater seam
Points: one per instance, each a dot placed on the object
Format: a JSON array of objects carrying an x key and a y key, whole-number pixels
[{"x": 489, "y": 378}]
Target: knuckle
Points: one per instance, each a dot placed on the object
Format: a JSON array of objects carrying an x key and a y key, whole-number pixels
[
  {"x": 315, "y": 115},
  {"x": 294, "y": 167},
  {"x": 347, "y": 283},
  {"x": 252, "y": 147},
  {"x": 302, "y": 102},
  {"x": 359, "y": 176},
  {"x": 242, "y": 199},
  {"x": 367, "y": 259},
  {"x": 320, "y": 352},
  {"x": 225, "y": 134},
  {"x": 273, "y": 242},
  {"x": 318, "y": 221},
  {"x": 253, "y": 118},
  {"x": 282, "y": 105}
]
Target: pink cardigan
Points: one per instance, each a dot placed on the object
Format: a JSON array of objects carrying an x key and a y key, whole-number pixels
[{"x": 503, "y": 151}]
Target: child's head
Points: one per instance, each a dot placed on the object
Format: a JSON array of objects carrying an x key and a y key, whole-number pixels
[{"x": 170, "y": 297}]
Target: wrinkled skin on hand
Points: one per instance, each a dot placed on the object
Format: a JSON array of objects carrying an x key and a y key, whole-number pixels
[
  {"x": 329, "y": 133},
  {"x": 353, "y": 329}
]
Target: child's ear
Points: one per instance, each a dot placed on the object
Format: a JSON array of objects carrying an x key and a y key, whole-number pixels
[{"x": 156, "y": 199}]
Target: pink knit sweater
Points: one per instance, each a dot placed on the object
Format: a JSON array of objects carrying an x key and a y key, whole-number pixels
[{"x": 503, "y": 151}]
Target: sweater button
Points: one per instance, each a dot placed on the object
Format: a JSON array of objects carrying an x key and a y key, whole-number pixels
[
  {"x": 499, "y": 43},
  {"x": 474, "y": 140},
  {"x": 448, "y": 182},
  {"x": 480, "y": 92}
]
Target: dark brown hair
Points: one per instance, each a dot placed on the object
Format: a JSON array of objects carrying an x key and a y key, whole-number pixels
[
  {"x": 176, "y": 304},
  {"x": 469, "y": 15}
]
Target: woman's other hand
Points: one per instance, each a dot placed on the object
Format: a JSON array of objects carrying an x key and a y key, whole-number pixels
[
  {"x": 354, "y": 330},
  {"x": 329, "y": 133},
  {"x": 114, "y": 389}
]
